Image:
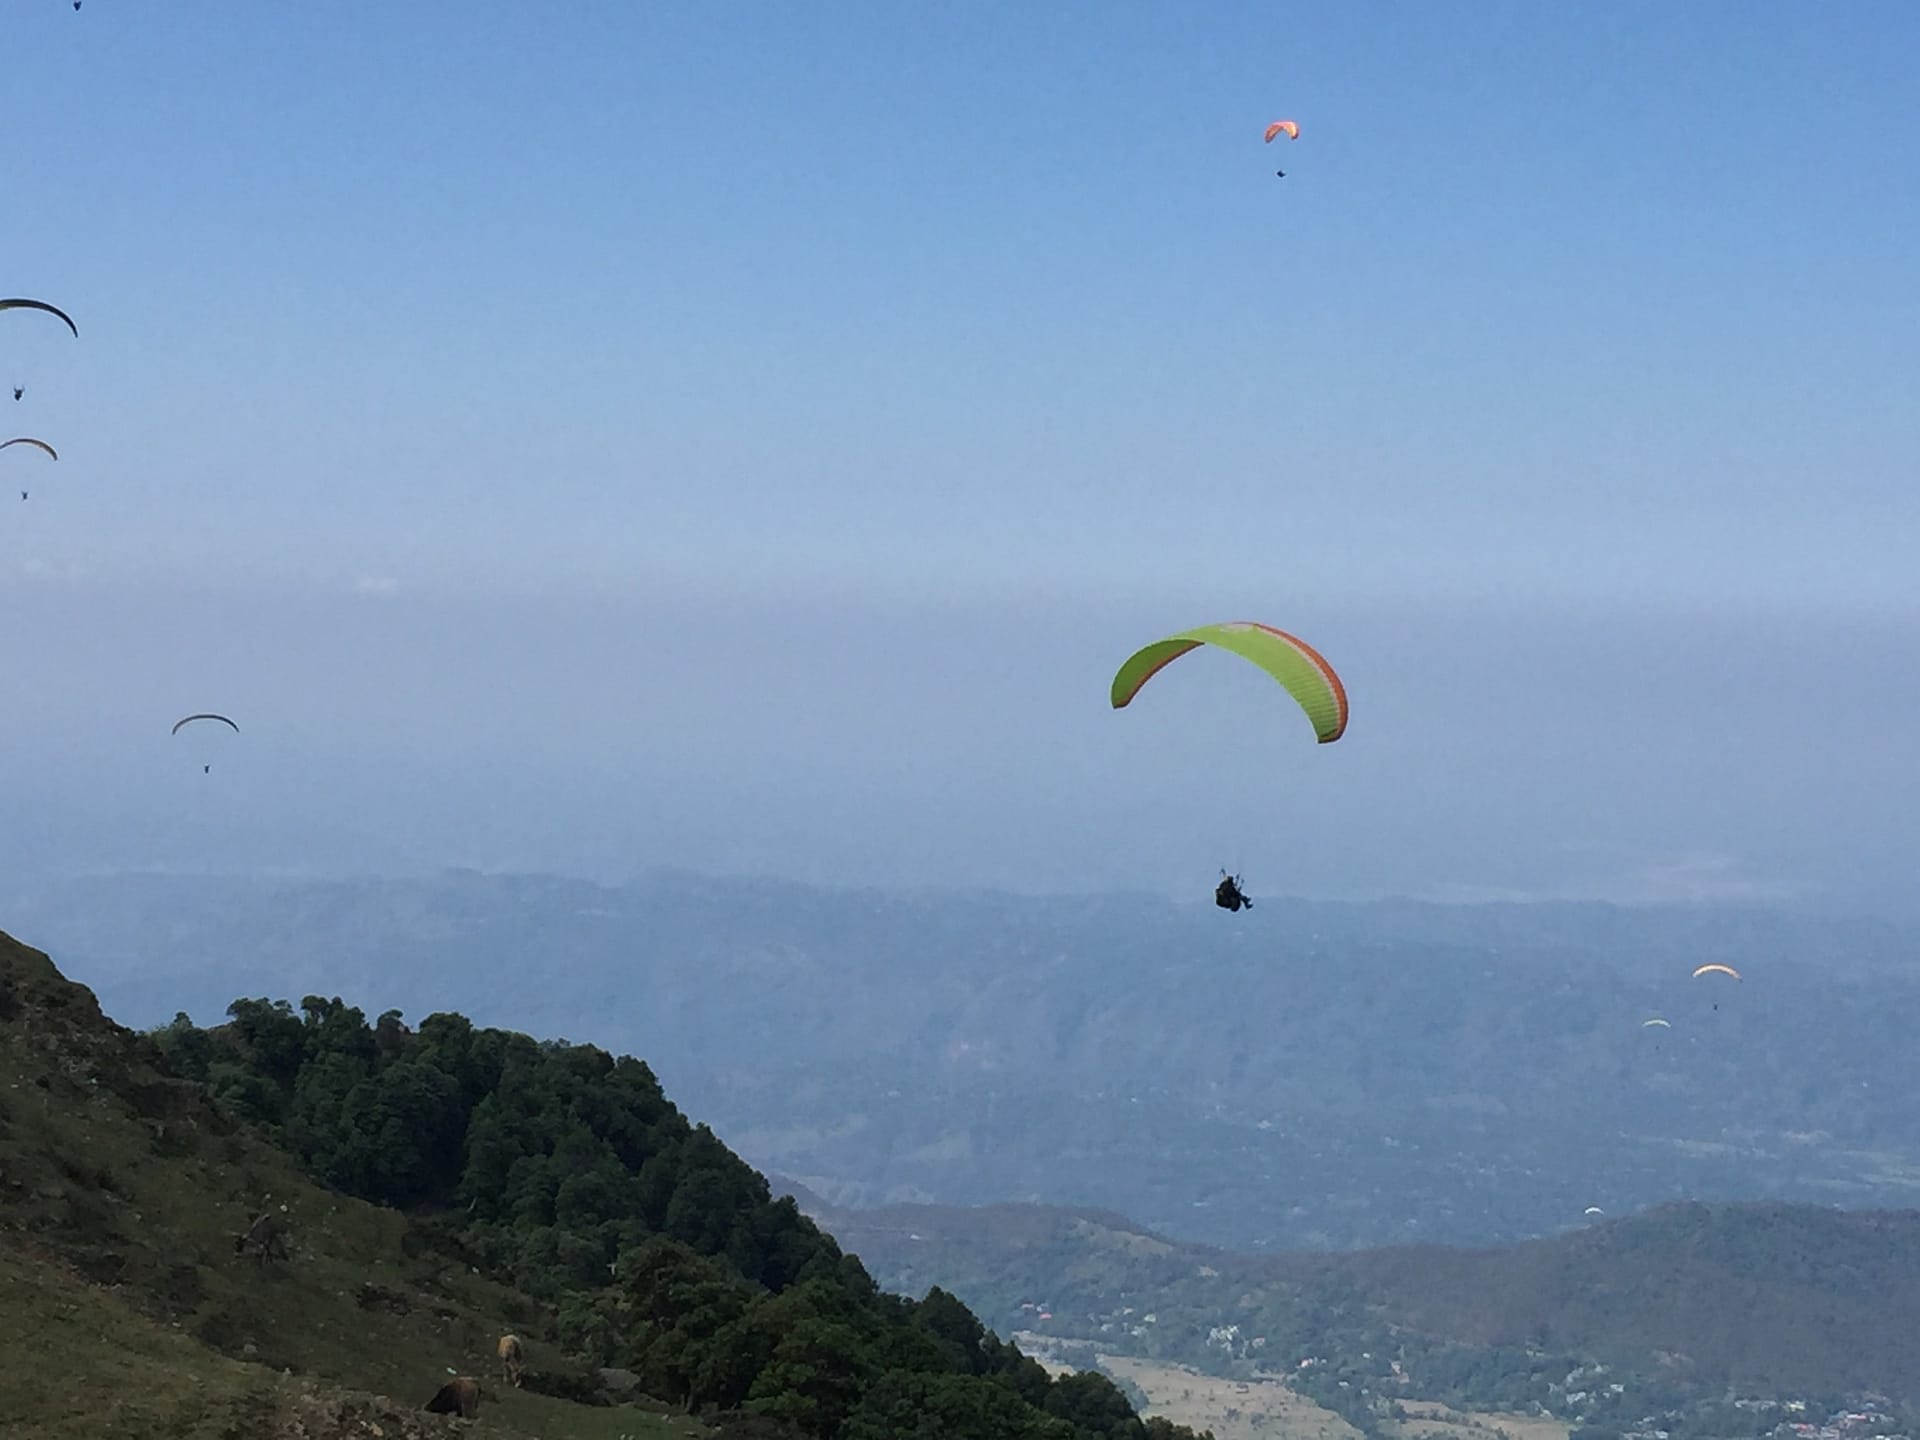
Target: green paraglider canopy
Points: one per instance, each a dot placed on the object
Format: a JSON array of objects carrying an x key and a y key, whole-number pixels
[{"x": 1287, "y": 658}]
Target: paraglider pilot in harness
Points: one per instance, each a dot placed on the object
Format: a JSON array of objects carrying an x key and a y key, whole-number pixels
[{"x": 1227, "y": 894}]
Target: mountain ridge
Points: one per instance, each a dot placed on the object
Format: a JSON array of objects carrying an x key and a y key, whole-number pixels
[
  {"x": 1759, "y": 1296},
  {"x": 1304, "y": 1075}
]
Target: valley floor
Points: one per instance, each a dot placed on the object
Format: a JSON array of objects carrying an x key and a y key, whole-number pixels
[{"x": 1268, "y": 1408}]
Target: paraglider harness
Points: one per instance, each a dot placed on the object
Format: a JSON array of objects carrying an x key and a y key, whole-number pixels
[{"x": 1227, "y": 893}]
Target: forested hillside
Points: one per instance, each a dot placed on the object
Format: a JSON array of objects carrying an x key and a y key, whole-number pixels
[
  {"x": 568, "y": 1172},
  {"x": 437, "y": 1187}
]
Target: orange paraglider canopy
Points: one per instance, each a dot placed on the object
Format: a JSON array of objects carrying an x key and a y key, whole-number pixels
[{"x": 1287, "y": 128}]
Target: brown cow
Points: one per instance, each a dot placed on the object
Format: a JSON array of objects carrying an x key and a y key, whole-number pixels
[
  {"x": 459, "y": 1396},
  {"x": 512, "y": 1358}
]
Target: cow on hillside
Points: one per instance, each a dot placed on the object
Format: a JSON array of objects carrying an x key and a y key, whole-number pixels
[
  {"x": 512, "y": 1358},
  {"x": 266, "y": 1237},
  {"x": 459, "y": 1396}
]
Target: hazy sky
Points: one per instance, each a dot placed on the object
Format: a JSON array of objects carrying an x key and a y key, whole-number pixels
[{"x": 583, "y": 435}]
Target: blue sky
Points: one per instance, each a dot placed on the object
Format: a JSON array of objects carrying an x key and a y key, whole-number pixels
[{"x": 587, "y": 434}]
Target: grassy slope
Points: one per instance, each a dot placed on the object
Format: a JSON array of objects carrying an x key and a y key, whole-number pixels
[{"x": 120, "y": 1194}]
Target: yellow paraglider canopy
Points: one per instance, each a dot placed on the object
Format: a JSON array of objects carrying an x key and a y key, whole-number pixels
[{"x": 1301, "y": 669}]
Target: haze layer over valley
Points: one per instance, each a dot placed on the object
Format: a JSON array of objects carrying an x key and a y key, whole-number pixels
[{"x": 1316, "y": 1075}]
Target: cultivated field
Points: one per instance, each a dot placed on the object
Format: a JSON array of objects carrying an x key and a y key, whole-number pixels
[
  {"x": 1429, "y": 1418},
  {"x": 1231, "y": 1409}
]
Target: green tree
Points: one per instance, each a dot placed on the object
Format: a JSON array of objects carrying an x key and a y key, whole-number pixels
[
  {"x": 961, "y": 1335},
  {"x": 904, "y": 1406},
  {"x": 1089, "y": 1401},
  {"x": 814, "y": 1377},
  {"x": 272, "y": 1038},
  {"x": 185, "y": 1047}
]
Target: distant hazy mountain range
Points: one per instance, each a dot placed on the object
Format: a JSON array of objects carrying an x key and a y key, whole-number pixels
[
  {"x": 1304, "y": 1075},
  {"x": 1772, "y": 1299}
]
